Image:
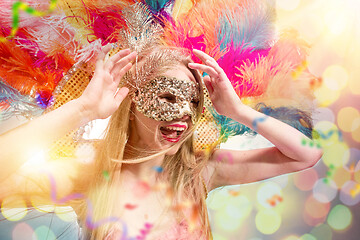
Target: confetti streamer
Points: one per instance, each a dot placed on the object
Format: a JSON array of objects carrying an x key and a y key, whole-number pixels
[
  {"x": 144, "y": 232},
  {"x": 258, "y": 120},
  {"x": 310, "y": 143},
  {"x": 65, "y": 199},
  {"x": 158, "y": 169},
  {"x": 130, "y": 206},
  {"x": 89, "y": 215},
  {"x": 354, "y": 192},
  {"x": 106, "y": 175},
  {"x": 328, "y": 135},
  {"x": 274, "y": 200},
  {"x": 329, "y": 173},
  {"x": 21, "y": 6},
  {"x": 234, "y": 193},
  {"x": 92, "y": 225}
]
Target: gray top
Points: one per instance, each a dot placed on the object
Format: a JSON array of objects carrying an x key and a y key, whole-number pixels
[{"x": 44, "y": 225}]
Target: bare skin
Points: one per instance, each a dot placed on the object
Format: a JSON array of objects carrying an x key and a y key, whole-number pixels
[
  {"x": 101, "y": 98},
  {"x": 288, "y": 155}
]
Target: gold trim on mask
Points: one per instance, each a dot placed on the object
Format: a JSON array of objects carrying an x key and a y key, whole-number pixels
[{"x": 150, "y": 101}]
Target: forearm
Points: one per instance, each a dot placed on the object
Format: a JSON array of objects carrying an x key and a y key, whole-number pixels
[
  {"x": 17, "y": 145},
  {"x": 286, "y": 138}
]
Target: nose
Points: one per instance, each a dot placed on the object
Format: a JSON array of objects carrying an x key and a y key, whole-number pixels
[
  {"x": 185, "y": 118},
  {"x": 185, "y": 111}
]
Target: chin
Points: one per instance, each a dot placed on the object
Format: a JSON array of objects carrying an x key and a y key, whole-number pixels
[{"x": 173, "y": 151}]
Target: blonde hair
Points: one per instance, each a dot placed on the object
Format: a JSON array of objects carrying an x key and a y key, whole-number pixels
[{"x": 182, "y": 170}]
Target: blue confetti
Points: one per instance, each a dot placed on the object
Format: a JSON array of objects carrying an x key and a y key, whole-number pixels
[{"x": 158, "y": 169}]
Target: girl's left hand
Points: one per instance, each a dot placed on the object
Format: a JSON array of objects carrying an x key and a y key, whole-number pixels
[{"x": 222, "y": 94}]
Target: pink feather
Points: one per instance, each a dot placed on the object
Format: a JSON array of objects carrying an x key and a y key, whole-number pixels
[{"x": 233, "y": 59}]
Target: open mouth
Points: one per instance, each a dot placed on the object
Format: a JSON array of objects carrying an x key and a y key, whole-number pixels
[{"x": 172, "y": 133}]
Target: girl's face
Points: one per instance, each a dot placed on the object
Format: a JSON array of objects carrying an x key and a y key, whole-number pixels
[{"x": 166, "y": 120}]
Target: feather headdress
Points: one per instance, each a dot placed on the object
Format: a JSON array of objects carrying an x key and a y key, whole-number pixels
[{"x": 267, "y": 70}]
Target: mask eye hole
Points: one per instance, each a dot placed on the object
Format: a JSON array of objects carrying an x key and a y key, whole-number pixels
[
  {"x": 195, "y": 103},
  {"x": 167, "y": 97}
]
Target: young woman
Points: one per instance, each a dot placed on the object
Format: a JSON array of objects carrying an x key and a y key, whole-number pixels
[
  {"x": 151, "y": 126},
  {"x": 146, "y": 180}
]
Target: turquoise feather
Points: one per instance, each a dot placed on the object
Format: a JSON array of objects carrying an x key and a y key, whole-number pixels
[
  {"x": 17, "y": 104},
  {"x": 251, "y": 26},
  {"x": 158, "y": 5},
  {"x": 289, "y": 115}
]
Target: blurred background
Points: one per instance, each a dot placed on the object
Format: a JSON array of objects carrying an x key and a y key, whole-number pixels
[{"x": 321, "y": 203}]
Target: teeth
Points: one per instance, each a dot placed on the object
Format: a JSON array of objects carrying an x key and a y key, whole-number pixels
[{"x": 175, "y": 128}]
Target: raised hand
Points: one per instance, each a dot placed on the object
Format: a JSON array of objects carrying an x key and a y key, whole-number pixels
[
  {"x": 102, "y": 96},
  {"x": 222, "y": 94}
]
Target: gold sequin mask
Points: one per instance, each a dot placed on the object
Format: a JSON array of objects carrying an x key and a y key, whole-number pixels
[{"x": 168, "y": 98}]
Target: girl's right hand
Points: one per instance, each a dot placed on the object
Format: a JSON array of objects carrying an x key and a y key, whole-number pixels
[{"x": 102, "y": 96}]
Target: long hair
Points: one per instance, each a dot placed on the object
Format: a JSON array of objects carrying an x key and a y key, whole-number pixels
[{"x": 182, "y": 170}]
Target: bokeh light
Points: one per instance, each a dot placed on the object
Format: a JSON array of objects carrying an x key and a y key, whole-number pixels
[
  {"x": 218, "y": 202},
  {"x": 66, "y": 214},
  {"x": 322, "y": 231},
  {"x": 288, "y": 5},
  {"x": 307, "y": 237},
  {"x": 350, "y": 193},
  {"x": 336, "y": 21},
  {"x": 341, "y": 176},
  {"x": 291, "y": 237},
  {"x": 336, "y": 151},
  {"x": 315, "y": 208},
  {"x": 226, "y": 222},
  {"x": 354, "y": 160},
  {"x": 340, "y": 217},
  {"x": 321, "y": 56},
  {"x": 357, "y": 172},
  {"x": 337, "y": 154},
  {"x": 356, "y": 135},
  {"x": 218, "y": 237},
  {"x": 311, "y": 26},
  {"x": 330, "y": 133},
  {"x": 282, "y": 181},
  {"x": 40, "y": 205},
  {"x": 238, "y": 207},
  {"x": 325, "y": 191},
  {"x": 354, "y": 83},
  {"x": 13, "y": 208},
  {"x": 335, "y": 77},
  {"x": 22, "y": 231},
  {"x": 269, "y": 193},
  {"x": 43, "y": 232},
  {"x": 312, "y": 221},
  {"x": 326, "y": 96},
  {"x": 348, "y": 119},
  {"x": 267, "y": 221},
  {"x": 324, "y": 114}
]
